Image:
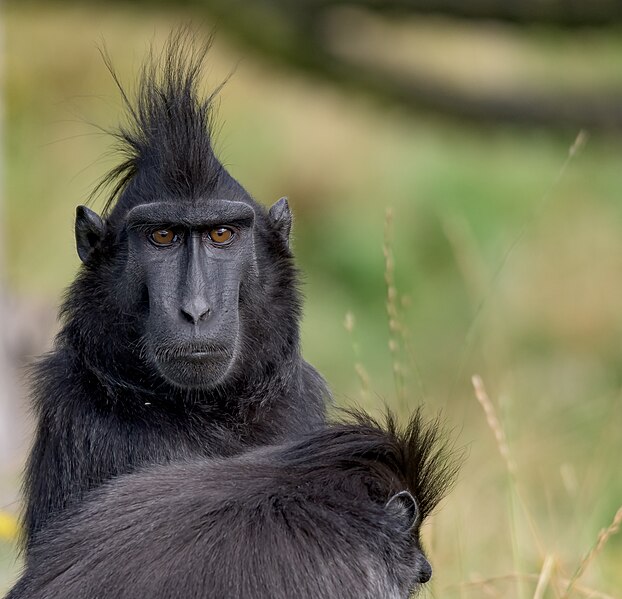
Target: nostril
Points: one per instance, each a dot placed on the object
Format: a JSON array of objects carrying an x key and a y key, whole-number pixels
[
  {"x": 187, "y": 316},
  {"x": 194, "y": 316}
]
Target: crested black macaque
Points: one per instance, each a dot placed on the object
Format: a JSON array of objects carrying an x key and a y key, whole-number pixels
[
  {"x": 334, "y": 514},
  {"x": 180, "y": 333}
]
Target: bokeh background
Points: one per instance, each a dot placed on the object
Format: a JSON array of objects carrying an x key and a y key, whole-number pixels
[{"x": 467, "y": 155}]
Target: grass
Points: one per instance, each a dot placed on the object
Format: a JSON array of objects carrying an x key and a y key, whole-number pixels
[
  {"x": 552, "y": 571},
  {"x": 477, "y": 219}
]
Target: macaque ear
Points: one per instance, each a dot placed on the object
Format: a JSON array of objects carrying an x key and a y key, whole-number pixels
[
  {"x": 89, "y": 232},
  {"x": 404, "y": 506},
  {"x": 281, "y": 218}
]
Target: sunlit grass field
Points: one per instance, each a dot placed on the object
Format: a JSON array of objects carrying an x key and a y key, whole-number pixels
[{"x": 503, "y": 247}]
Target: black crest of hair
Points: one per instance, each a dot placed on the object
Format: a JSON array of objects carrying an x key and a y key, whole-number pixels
[
  {"x": 218, "y": 368},
  {"x": 422, "y": 455},
  {"x": 336, "y": 513},
  {"x": 167, "y": 139}
]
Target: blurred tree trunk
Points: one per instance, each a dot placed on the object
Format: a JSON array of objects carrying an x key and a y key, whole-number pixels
[
  {"x": 294, "y": 34},
  {"x": 567, "y": 13}
]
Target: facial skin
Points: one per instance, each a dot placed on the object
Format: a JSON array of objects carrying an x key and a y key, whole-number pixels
[
  {"x": 191, "y": 261},
  {"x": 186, "y": 264}
]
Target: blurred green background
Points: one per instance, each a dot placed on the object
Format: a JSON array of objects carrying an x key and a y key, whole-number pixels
[{"x": 507, "y": 253}]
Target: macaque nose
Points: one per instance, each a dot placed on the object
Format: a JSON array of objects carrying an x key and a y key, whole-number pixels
[{"x": 195, "y": 312}]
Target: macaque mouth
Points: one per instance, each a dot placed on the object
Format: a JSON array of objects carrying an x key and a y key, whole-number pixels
[
  {"x": 201, "y": 356},
  {"x": 195, "y": 365},
  {"x": 195, "y": 353}
]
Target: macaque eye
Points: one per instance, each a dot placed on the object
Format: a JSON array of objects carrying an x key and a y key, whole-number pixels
[
  {"x": 163, "y": 236},
  {"x": 221, "y": 235}
]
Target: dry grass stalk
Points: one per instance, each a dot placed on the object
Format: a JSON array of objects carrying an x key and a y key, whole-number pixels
[
  {"x": 466, "y": 255},
  {"x": 587, "y": 591},
  {"x": 349, "y": 324},
  {"x": 409, "y": 353},
  {"x": 363, "y": 379},
  {"x": 513, "y": 576},
  {"x": 392, "y": 310},
  {"x": 574, "y": 149},
  {"x": 603, "y": 536},
  {"x": 545, "y": 576},
  {"x": 493, "y": 423},
  {"x": 578, "y": 144}
]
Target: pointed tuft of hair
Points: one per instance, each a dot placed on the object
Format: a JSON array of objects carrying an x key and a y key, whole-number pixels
[
  {"x": 420, "y": 458},
  {"x": 166, "y": 141}
]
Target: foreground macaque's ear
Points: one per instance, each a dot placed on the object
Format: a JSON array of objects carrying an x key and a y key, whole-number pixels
[
  {"x": 404, "y": 506},
  {"x": 281, "y": 217},
  {"x": 89, "y": 231}
]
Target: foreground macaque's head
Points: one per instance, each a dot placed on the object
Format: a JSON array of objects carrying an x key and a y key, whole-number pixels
[
  {"x": 186, "y": 266},
  {"x": 201, "y": 273}
]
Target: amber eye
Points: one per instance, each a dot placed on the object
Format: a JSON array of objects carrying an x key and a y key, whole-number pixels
[
  {"x": 221, "y": 235},
  {"x": 163, "y": 236}
]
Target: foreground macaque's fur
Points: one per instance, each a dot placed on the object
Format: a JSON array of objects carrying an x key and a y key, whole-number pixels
[
  {"x": 181, "y": 447},
  {"x": 169, "y": 351},
  {"x": 335, "y": 514}
]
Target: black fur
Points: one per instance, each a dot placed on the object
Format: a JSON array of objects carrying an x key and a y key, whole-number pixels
[
  {"x": 310, "y": 519},
  {"x": 102, "y": 407}
]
